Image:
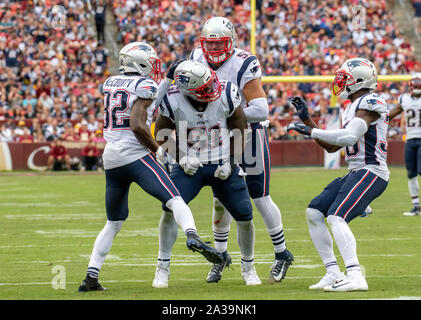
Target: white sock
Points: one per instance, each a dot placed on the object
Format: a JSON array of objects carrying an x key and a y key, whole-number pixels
[
  {"x": 322, "y": 239},
  {"x": 245, "y": 238},
  {"x": 273, "y": 221},
  {"x": 413, "y": 187},
  {"x": 221, "y": 223},
  {"x": 168, "y": 231},
  {"x": 182, "y": 214},
  {"x": 102, "y": 246},
  {"x": 345, "y": 242}
]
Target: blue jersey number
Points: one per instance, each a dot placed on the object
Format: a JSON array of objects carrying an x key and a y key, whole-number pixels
[{"x": 111, "y": 117}]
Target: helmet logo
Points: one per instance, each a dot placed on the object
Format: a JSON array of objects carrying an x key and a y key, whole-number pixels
[
  {"x": 142, "y": 47},
  {"x": 183, "y": 79},
  {"x": 356, "y": 63}
]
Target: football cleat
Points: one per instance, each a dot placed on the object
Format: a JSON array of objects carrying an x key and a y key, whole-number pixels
[
  {"x": 366, "y": 212},
  {"x": 248, "y": 271},
  {"x": 162, "y": 275},
  {"x": 349, "y": 283},
  {"x": 280, "y": 267},
  {"x": 416, "y": 211},
  {"x": 90, "y": 284},
  {"x": 328, "y": 279},
  {"x": 194, "y": 243},
  {"x": 215, "y": 273}
]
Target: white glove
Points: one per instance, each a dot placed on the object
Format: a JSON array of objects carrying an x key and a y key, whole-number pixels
[
  {"x": 223, "y": 172},
  {"x": 241, "y": 172},
  {"x": 163, "y": 159},
  {"x": 265, "y": 123},
  {"x": 190, "y": 164}
]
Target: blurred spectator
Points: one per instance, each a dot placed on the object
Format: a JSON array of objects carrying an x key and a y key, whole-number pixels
[
  {"x": 417, "y": 17},
  {"x": 100, "y": 7},
  {"x": 90, "y": 157},
  {"x": 58, "y": 157},
  {"x": 52, "y": 77}
]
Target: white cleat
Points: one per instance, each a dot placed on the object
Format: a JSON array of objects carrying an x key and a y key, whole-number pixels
[
  {"x": 328, "y": 279},
  {"x": 249, "y": 274},
  {"x": 162, "y": 275},
  {"x": 416, "y": 211},
  {"x": 349, "y": 283}
]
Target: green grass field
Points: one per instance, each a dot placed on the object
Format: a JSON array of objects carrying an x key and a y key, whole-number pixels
[{"x": 50, "y": 220}]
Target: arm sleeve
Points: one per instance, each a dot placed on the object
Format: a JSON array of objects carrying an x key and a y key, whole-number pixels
[
  {"x": 257, "y": 110},
  {"x": 348, "y": 136}
]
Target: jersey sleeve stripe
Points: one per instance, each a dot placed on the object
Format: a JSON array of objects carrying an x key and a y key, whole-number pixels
[
  {"x": 139, "y": 81},
  {"x": 167, "y": 104},
  {"x": 229, "y": 98},
  {"x": 243, "y": 69},
  {"x": 361, "y": 99},
  {"x": 400, "y": 99}
]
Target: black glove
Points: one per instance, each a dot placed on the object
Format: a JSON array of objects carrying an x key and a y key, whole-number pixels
[
  {"x": 300, "y": 128},
  {"x": 170, "y": 73},
  {"x": 301, "y": 107}
]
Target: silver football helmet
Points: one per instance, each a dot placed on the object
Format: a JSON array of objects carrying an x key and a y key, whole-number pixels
[
  {"x": 355, "y": 74},
  {"x": 141, "y": 58},
  {"x": 218, "y": 39},
  {"x": 415, "y": 83},
  {"x": 197, "y": 81}
]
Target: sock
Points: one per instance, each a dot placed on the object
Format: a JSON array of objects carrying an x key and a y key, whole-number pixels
[
  {"x": 168, "y": 230},
  {"x": 413, "y": 187},
  {"x": 345, "y": 242},
  {"x": 221, "y": 223},
  {"x": 322, "y": 239},
  {"x": 182, "y": 214},
  {"x": 272, "y": 218},
  {"x": 102, "y": 246},
  {"x": 245, "y": 238}
]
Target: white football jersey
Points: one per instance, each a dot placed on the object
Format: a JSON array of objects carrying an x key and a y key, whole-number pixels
[
  {"x": 203, "y": 134},
  {"x": 240, "y": 68},
  {"x": 412, "y": 108},
  {"x": 120, "y": 93},
  {"x": 370, "y": 151}
]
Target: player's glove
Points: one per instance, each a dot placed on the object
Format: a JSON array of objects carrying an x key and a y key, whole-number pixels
[
  {"x": 301, "y": 107},
  {"x": 170, "y": 73},
  {"x": 164, "y": 159},
  {"x": 190, "y": 165},
  {"x": 223, "y": 172},
  {"x": 300, "y": 128}
]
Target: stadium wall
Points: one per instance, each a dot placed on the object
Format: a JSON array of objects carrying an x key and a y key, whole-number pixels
[{"x": 33, "y": 156}]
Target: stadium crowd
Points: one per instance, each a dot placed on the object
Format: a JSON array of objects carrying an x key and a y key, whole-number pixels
[{"x": 51, "y": 74}]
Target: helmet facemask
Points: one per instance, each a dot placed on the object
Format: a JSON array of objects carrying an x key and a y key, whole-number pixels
[
  {"x": 208, "y": 92},
  {"x": 415, "y": 85},
  {"x": 217, "y": 50},
  {"x": 341, "y": 82}
]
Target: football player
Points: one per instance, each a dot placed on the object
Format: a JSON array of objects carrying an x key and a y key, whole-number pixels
[
  {"x": 218, "y": 51},
  {"x": 411, "y": 104},
  {"x": 128, "y": 107},
  {"x": 204, "y": 113},
  {"x": 364, "y": 133}
]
